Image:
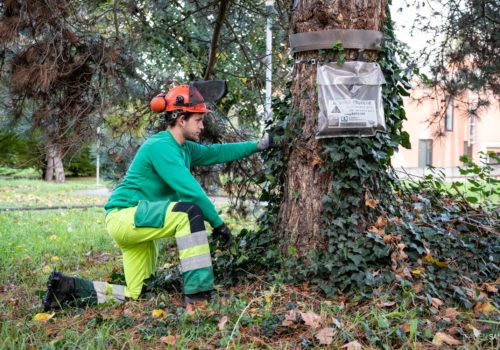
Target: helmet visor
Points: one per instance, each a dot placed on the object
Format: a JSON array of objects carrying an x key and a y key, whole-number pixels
[{"x": 204, "y": 91}]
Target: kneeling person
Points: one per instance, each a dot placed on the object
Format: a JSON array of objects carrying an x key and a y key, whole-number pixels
[{"x": 159, "y": 198}]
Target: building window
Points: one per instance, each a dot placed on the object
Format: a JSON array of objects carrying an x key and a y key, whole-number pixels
[
  {"x": 493, "y": 156},
  {"x": 448, "y": 118},
  {"x": 424, "y": 153},
  {"x": 467, "y": 149}
]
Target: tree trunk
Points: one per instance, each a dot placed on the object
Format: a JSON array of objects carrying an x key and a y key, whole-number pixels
[
  {"x": 55, "y": 169},
  {"x": 305, "y": 183}
]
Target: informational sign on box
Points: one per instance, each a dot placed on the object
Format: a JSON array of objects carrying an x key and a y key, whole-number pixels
[{"x": 350, "y": 99}]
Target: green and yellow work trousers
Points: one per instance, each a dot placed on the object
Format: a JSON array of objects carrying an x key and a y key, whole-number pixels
[{"x": 137, "y": 230}]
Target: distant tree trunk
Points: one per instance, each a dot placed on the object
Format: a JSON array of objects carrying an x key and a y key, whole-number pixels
[
  {"x": 55, "y": 169},
  {"x": 305, "y": 184}
]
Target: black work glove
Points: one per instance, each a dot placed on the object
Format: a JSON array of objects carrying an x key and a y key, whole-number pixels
[{"x": 222, "y": 233}]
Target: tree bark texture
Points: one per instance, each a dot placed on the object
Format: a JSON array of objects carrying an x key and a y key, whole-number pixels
[
  {"x": 55, "y": 169},
  {"x": 299, "y": 222}
]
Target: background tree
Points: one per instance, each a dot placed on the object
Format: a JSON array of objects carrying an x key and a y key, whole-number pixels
[
  {"x": 59, "y": 69},
  {"x": 462, "y": 53}
]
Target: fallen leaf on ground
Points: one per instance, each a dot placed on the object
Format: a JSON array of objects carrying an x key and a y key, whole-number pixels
[
  {"x": 377, "y": 231},
  {"x": 42, "y": 317},
  {"x": 437, "y": 302},
  {"x": 406, "y": 327},
  {"x": 450, "y": 313},
  {"x": 381, "y": 221},
  {"x": 290, "y": 318},
  {"x": 475, "y": 331},
  {"x": 54, "y": 258},
  {"x": 169, "y": 339},
  {"x": 354, "y": 345},
  {"x": 325, "y": 336},
  {"x": 222, "y": 323},
  {"x": 440, "y": 338},
  {"x": 416, "y": 272},
  {"x": 157, "y": 313},
  {"x": 491, "y": 288},
  {"x": 46, "y": 269},
  {"x": 386, "y": 303},
  {"x": 372, "y": 203},
  {"x": 311, "y": 319},
  {"x": 53, "y": 237},
  {"x": 190, "y": 309},
  {"x": 267, "y": 298},
  {"x": 337, "y": 323},
  {"x": 484, "y": 308}
]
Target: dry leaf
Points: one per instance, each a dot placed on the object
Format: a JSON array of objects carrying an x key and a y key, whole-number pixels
[
  {"x": 157, "y": 313},
  {"x": 377, "y": 231},
  {"x": 267, "y": 298},
  {"x": 53, "y": 237},
  {"x": 387, "y": 238},
  {"x": 475, "y": 331},
  {"x": 222, "y": 323},
  {"x": 54, "y": 258},
  {"x": 418, "y": 287},
  {"x": 450, "y": 313},
  {"x": 169, "y": 339},
  {"x": 290, "y": 318},
  {"x": 381, "y": 221},
  {"x": 372, "y": 203},
  {"x": 484, "y": 308},
  {"x": 491, "y": 288},
  {"x": 440, "y": 338},
  {"x": 416, "y": 272},
  {"x": 386, "y": 304},
  {"x": 337, "y": 323},
  {"x": 406, "y": 327},
  {"x": 437, "y": 302},
  {"x": 325, "y": 336},
  {"x": 43, "y": 317},
  {"x": 311, "y": 319},
  {"x": 190, "y": 309},
  {"x": 354, "y": 345}
]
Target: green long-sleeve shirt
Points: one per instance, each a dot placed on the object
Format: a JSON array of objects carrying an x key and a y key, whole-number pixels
[{"x": 160, "y": 171}]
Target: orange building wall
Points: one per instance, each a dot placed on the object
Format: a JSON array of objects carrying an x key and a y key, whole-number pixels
[{"x": 447, "y": 146}]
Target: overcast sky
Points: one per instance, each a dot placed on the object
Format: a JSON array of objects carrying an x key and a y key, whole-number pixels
[{"x": 405, "y": 18}]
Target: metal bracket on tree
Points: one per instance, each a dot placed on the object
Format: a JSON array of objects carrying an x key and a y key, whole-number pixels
[{"x": 325, "y": 39}]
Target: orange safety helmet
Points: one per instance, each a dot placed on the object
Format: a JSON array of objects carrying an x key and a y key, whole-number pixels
[{"x": 177, "y": 99}]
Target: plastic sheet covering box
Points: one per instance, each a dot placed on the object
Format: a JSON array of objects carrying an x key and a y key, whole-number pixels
[{"x": 350, "y": 99}]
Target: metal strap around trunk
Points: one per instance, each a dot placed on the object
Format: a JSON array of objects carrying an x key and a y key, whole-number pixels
[{"x": 325, "y": 39}]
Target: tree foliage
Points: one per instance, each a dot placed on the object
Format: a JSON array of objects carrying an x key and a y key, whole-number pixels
[{"x": 463, "y": 51}]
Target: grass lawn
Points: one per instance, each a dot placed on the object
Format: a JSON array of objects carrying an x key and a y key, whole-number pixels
[{"x": 256, "y": 315}]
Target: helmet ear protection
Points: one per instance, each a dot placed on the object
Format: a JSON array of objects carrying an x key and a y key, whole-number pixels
[
  {"x": 158, "y": 104},
  {"x": 190, "y": 98}
]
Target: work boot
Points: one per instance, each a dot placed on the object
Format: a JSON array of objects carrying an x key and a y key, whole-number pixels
[
  {"x": 197, "y": 298},
  {"x": 60, "y": 291}
]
